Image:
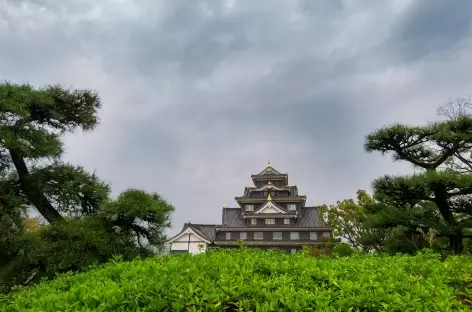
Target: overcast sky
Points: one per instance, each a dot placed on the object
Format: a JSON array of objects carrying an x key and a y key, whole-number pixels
[{"x": 198, "y": 95}]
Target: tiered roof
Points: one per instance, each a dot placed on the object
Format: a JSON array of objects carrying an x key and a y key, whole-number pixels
[{"x": 269, "y": 179}]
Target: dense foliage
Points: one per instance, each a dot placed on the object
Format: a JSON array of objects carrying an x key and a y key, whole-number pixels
[
  {"x": 252, "y": 280},
  {"x": 85, "y": 225},
  {"x": 132, "y": 225},
  {"x": 357, "y": 223}
]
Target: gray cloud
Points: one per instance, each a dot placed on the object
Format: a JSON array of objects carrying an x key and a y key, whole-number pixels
[
  {"x": 200, "y": 94},
  {"x": 431, "y": 28}
]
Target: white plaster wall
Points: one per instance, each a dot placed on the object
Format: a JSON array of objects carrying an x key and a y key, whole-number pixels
[
  {"x": 194, "y": 249},
  {"x": 181, "y": 243}
]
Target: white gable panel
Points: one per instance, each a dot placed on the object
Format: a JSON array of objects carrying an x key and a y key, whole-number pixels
[
  {"x": 269, "y": 207},
  {"x": 269, "y": 210}
]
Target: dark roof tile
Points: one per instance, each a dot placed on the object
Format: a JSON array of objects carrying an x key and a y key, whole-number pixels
[
  {"x": 208, "y": 231},
  {"x": 309, "y": 217},
  {"x": 274, "y": 199},
  {"x": 232, "y": 217}
]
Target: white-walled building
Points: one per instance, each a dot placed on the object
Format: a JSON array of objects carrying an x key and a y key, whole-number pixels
[{"x": 194, "y": 238}]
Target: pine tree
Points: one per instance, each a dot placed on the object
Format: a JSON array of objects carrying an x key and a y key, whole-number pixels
[
  {"x": 431, "y": 149},
  {"x": 86, "y": 225},
  {"x": 32, "y": 121}
]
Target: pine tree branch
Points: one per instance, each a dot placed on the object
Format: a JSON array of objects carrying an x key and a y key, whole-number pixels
[
  {"x": 400, "y": 151},
  {"x": 468, "y": 163},
  {"x": 449, "y": 152}
]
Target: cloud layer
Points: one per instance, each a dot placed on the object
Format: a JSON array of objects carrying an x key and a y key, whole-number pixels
[{"x": 200, "y": 94}]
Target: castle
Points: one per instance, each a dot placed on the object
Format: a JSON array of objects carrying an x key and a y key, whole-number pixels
[{"x": 271, "y": 214}]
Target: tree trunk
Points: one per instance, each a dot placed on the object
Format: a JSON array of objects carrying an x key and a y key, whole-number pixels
[
  {"x": 455, "y": 239},
  {"x": 456, "y": 243},
  {"x": 34, "y": 195}
]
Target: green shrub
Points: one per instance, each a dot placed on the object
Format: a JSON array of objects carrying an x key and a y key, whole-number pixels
[
  {"x": 251, "y": 280},
  {"x": 62, "y": 247},
  {"x": 342, "y": 250}
]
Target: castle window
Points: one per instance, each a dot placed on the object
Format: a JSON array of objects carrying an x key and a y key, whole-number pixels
[
  {"x": 313, "y": 236},
  {"x": 253, "y": 221},
  {"x": 249, "y": 207},
  {"x": 258, "y": 235},
  {"x": 293, "y": 250},
  {"x": 292, "y": 207},
  {"x": 228, "y": 235},
  {"x": 277, "y": 235},
  {"x": 286, "y": 221},
  {"x": 326, "y": 234},
  {"x": 294, "y": 235},
  {"x": 269, "y": 221},
  {"x": 242, "y": 235}
]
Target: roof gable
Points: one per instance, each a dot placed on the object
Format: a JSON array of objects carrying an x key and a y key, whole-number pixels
[
  {"x": 269, "y": 170},
  {"x": 189, "y": 229},
  {"x": 270, "y": 207}
]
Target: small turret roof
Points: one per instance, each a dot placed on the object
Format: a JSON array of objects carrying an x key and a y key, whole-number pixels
[{"x": 270, "y": 172}]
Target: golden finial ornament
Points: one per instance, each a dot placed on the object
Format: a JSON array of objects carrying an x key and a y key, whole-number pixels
[
  {"x": 268, "y": 164},
  {"x": 225, "y": 206},
  {"x": 268, "y": 197}
]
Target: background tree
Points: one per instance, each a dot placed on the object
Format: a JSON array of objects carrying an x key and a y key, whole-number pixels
[
  {"x": 139, "y": 216},
  {"x": 131, "y": 225},
  {"x": 368, "y": 225},
  {"x": 455, "y": 108},
  {"x": 347, "y": 218},
  {"x": 429, "y": 148},
  {"x": 452, "y": 110}
]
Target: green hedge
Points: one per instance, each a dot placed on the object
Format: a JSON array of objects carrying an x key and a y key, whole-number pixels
[{"x": 252, "y": 280}]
